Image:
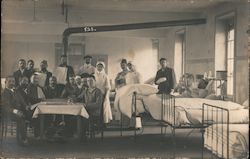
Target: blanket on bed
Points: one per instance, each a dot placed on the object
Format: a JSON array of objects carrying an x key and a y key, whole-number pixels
[{"x": 188, "y": 110}]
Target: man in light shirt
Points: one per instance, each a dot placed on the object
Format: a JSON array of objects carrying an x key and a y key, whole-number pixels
[
  {"x": 87, "y": 66},
  {"x": 133, "y": 77}
]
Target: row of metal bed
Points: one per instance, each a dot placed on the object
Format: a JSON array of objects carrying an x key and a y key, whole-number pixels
[{"x": 214, "y": 126}]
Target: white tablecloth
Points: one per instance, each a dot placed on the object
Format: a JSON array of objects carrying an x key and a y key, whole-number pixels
[{"x": 60, "y": 108}]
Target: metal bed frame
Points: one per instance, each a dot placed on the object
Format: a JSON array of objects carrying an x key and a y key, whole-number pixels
[
  {"x": 211, "y": 117},
  {"x": 216, "y": 115}
]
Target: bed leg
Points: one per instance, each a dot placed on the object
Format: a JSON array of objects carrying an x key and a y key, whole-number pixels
[
  {"x": 202, "y": 142},
  {"x": 174, "y": 141},
  {"x": 121, "y": 125}
]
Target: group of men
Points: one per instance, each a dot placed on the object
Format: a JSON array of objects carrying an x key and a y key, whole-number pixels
[
  {"x": 90, "y": 85},
  {"x": 23, "y": 89}
]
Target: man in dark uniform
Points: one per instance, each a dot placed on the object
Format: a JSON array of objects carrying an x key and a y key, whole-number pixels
[
  {"x": 15, "y": 108},
  {"x": 22, "y": 89},
  {"x": 53, "y": 90},
  {"x": 164, "y": 78},
  {"x": 21, "y": 72}
]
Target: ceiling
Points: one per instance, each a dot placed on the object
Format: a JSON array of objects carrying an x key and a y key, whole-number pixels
[
  {"x": 51, "y": 18},
  {"x": 119, "y": 5}
]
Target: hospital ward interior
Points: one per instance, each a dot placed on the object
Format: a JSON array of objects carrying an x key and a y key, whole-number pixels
[{"x": 136, "y": 79}]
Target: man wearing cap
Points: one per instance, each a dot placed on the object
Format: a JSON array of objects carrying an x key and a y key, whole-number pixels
[
  {"x": 70, "y": 70},
  {"x": 164, "y": 78},
  {"x": 120, "y": 78},
  {"x": 87, "y": 66}
]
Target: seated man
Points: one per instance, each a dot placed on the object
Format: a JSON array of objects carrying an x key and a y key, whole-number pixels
[
  {"x": 34, "y": 91},
  {"x": 53, "y": 90},
  {"x": 31, "y": 95},
  {"x": 23, "y": 90},
  {"x": 15, "y": 106},
  {"x": 80, "y": 88},
  {"x": 93, "y": 100},
  {"x": 69, "y": 89}
]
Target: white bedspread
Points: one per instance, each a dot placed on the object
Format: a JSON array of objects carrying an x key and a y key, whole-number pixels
[
  {"x": 238, "y": 140},
  {"x": 188, "y": 110}
]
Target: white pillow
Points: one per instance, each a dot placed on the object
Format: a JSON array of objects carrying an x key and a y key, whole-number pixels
[
  {"x": 209, "y": 87},
  {"x": 246, "y": 103}
]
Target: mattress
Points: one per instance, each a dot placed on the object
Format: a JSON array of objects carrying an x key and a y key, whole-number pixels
[
  {"x": 216, "y": 140},
  {"x": 188, "y": 110}
]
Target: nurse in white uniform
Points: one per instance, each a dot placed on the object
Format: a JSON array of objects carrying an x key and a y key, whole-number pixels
[{"x": 102, "y": 82}]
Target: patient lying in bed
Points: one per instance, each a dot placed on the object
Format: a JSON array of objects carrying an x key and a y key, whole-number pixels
[{"x": 188, "y": 88}]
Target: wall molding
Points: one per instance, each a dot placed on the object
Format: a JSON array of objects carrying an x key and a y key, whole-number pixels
[
  {"x": 200, "y": 60},
  {"x": 241, "y": 58}
]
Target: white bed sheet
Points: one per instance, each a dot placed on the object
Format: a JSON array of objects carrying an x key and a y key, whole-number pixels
[{"x": 188, "y": 110}]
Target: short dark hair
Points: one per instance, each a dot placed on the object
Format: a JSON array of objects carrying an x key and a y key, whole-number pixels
[
  {"x": 87, "y": 56},
  {"x": 21, "y": 60},
  {"x": 163, "y": 59},
  {"x": 63, "y": 55},
  {"x": 44, "y": 62},
  {"x": 92, "y": 76},
  {"x": 85, "y": 75},
  {"x": 30, "y": 61},
  {"x": 124, "y": 61}
]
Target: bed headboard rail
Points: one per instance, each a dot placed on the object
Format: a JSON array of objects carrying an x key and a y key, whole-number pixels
[
  {"x": 217, "y": 132},
  {"x": 168, "y": 109}
]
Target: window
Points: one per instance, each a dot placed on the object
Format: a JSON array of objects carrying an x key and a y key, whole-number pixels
[
  {"x": 179, "y": 54},
  {"x": 230, "y": 60},
  {"x": 224, "y": 53}
]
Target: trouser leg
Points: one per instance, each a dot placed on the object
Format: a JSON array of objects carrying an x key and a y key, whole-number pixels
[{"x": 21, "y": 131}]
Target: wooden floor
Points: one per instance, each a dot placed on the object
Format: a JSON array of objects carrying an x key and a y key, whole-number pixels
[{"x": 148, "y": 145}]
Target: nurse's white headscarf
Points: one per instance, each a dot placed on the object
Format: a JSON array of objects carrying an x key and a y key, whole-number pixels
[
  {"x": 100, "y": 62},
  {"x": 103, "y": 64}
]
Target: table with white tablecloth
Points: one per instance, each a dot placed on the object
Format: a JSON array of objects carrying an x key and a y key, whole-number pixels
[{"x": 62, "y": 107}]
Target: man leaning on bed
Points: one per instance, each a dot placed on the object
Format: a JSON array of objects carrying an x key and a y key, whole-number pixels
[{"x": 165, "y": 78}]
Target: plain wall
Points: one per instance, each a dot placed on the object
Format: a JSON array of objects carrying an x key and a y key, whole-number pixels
[
  {"x": 137, "y": 50},
  {"x": 13, "y": 51},
  {"x": 200, "y": 46}
]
